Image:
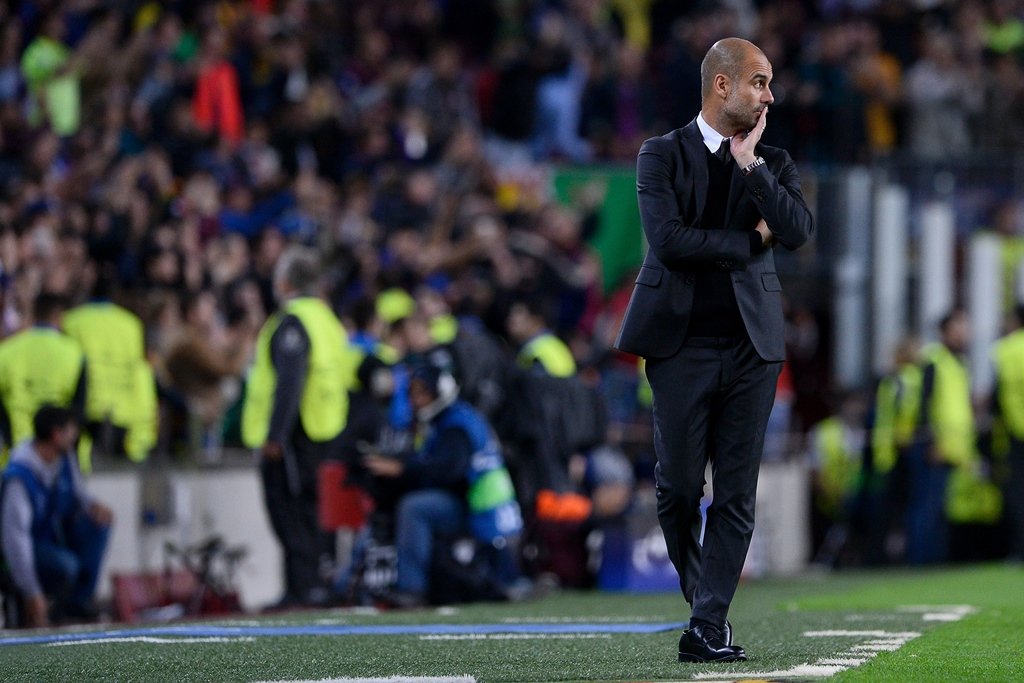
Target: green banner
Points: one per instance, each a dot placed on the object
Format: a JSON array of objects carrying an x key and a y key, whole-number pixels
[{"x": 619, "y": 239}]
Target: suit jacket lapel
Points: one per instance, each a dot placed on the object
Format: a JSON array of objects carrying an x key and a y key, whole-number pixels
[{"x": 692, "y": 143}]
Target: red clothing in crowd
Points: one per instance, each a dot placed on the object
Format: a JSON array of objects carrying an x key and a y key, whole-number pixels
[{"x": 216, "y": 104}]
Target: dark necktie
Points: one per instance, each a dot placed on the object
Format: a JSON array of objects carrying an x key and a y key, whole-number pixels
[{"x": 723, "y": 153}]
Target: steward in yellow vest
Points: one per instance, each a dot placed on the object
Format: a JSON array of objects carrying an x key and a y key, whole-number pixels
[
  {"x": 897, "y": 410},
  {"x": 971, "y": 497},
  {"x": 946, "y": 406},
  {"x": 121, "y": 411},
  {"x": 946, "y": 481},
  {"x": 305, "y": 326},
  {"x": 296, "y": 406},
  {"x": 540, "y": 348},
  {"x": 38, "y": 366},
  {"x": 837, "y": 465},
  {"x": 1008, "y": 408},
  {"x": 894, "y": 422}
]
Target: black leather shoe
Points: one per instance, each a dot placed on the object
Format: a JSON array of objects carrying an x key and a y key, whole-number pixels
[{"x": 707, "y": 643}]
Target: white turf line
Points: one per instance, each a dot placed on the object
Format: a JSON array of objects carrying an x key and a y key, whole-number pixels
[
  {"x": 150, "y": 639},
  {"x": 392, "y": 679},
  {"x": 860, "y": 634},
  {"x": 576, "y": 620},
  {"x": 878, "y": 641},
  {"x": 516, "y": 636}
]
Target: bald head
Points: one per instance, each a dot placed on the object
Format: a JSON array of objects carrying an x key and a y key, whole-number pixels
[
  {"x": 735, "y": 77},
  {"x": 725, "y": 57}
]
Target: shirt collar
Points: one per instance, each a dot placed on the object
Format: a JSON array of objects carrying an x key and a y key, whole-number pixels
[{"x": 712, "y": 138}]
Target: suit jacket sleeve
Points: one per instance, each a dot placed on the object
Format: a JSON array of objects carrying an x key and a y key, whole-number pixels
[
  {"x": 676, "y": 244},
  {"x": 781, "y": 202}
]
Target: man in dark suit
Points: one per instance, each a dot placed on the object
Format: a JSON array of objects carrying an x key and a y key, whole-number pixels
[{"x": 706, "y": 313}]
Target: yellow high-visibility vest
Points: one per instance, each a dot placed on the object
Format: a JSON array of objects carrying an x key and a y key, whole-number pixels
[
  {"x": 950, "y": 414},
  {"x": 444, "y": 328},
  {"x": 897, "y": 407},
  {"x": 551, "y": 352},
  {"x": 38, "y": 365},
  {"x": 839, "y": 467},
  {"x": 1008, "y": 355},
  {"x": 971, "y": 497},
  {"x": 323, "y": 410},
  {"x": 120, "y": 386}
]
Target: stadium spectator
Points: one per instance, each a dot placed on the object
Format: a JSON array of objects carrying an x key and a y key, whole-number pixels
[
  {"x": 51, "y": 73},
  {"x": 204, "y": 361},
  {"x": 54, "y": 533},
  {"x": 941, "y": 98},
  {"x": 216, "y": 104}
]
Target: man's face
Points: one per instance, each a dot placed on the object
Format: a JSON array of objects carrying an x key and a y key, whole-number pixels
[
  {"x": 518, "y": 323},
  {"x": 419, "y": 394},
  {"x": 957, "y": 334},
  {"x": 748, "y": 93},
  {"x": 65, "y": 437}
]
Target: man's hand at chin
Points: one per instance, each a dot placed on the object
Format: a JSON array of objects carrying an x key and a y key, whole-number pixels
[{"x": 742, "y": 145}]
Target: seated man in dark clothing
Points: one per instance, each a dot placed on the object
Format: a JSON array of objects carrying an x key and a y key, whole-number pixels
[
  {"x": 454, "y": 484},
  {"x": 52, "y": 534}
]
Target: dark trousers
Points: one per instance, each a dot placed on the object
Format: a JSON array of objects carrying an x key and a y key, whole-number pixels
[
  {"x": 69, "y": 572},
  {"x": 292, "y": 508},
  {"x": 1013, "y": 499},
  {"x": 711, "y": 402},
  {"x": 927, "y": 527}
]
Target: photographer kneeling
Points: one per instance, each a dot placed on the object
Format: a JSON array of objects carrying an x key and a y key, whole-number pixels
[{"x": 454, "y": 484}]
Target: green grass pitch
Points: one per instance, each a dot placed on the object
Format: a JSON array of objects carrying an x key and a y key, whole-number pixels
[{"x": 803, "y": 629}]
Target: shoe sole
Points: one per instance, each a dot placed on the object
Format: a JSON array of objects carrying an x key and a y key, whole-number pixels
[{"x": 687, "y": 658}]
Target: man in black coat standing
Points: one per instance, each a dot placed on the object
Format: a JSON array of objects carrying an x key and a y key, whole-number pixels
[{"x": 706, "y": 313}]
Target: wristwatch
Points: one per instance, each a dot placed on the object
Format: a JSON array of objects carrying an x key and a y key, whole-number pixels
[{"x": 749, "y": 168}]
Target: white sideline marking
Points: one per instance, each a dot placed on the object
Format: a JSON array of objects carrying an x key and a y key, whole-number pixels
[
  {"x": 859, "y": 653},
  {"x": 861, "y": 634},
  {"x": 942, "y": 616},
  {"x": 575, "y": 620},
  {"x": 150, "y": 639},
  {"x": 516, "y": 636},
  {"x": 391, "y": 679},
  {"x": 878, "y": 647},
  {"x": 962, "y": 610},
  {"x": 845, "y": 661}
]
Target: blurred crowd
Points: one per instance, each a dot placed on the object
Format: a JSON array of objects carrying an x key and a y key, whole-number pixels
[
  {"x": 165, "y": 155},
  {"x": 170, "y": 151}
]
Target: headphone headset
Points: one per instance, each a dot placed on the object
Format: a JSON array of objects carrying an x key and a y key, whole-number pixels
[{"x": 445, "y": 391}]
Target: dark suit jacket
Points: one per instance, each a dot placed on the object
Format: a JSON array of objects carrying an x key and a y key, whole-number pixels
[{"x": 672, "y": 185}]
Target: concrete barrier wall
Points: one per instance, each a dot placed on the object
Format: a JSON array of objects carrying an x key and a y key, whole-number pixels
[{"x": 185, "y": 507}]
